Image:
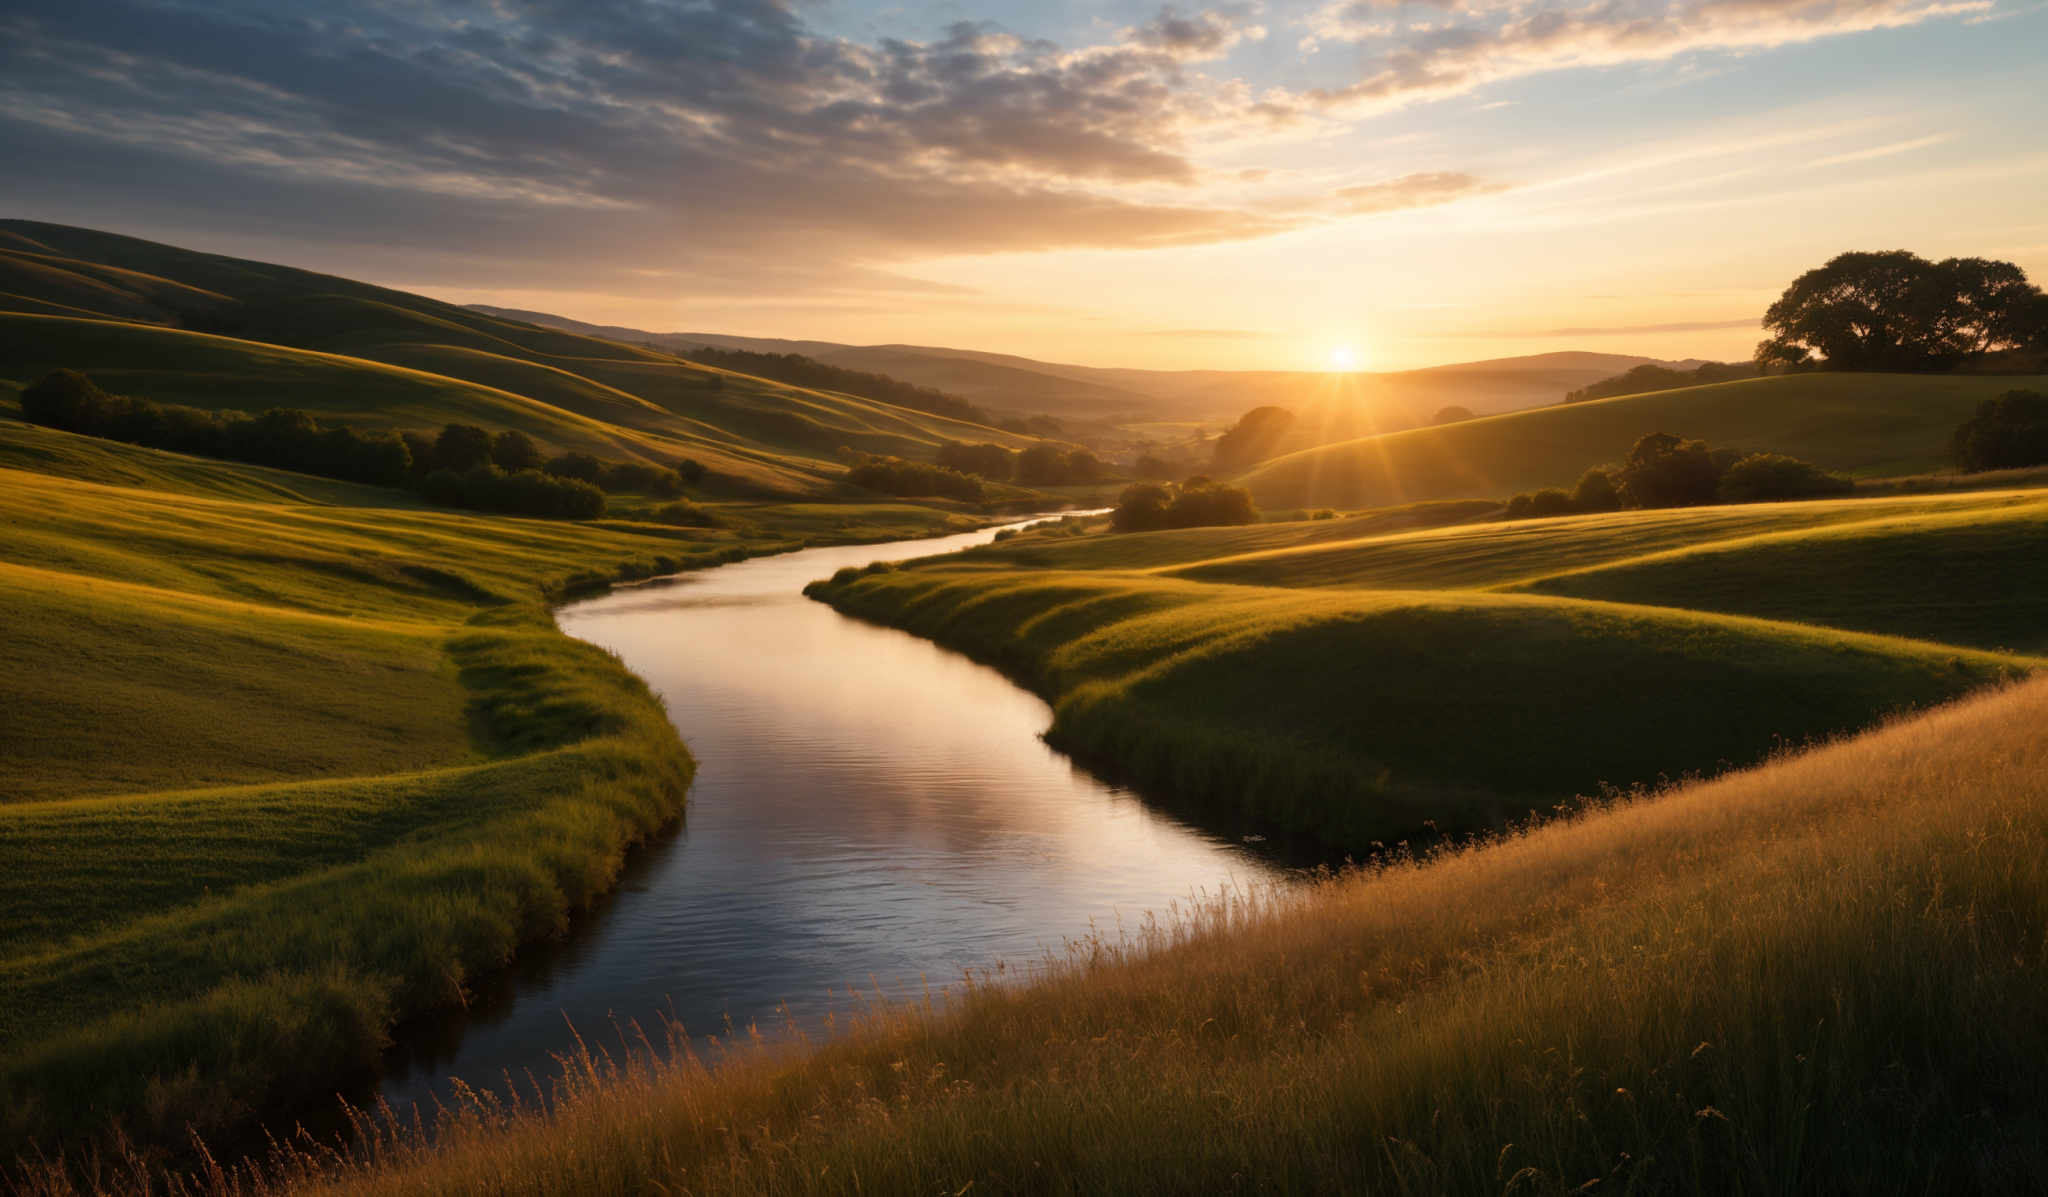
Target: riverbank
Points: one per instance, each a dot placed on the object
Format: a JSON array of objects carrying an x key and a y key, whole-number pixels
[
  {"x": 1364, "y": 687},
  {"x": 283, "y": 772},
  {"x": 1821, "y": 974}
]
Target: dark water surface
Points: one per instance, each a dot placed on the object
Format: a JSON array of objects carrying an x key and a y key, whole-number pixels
[{"x": 870, "y": 809}]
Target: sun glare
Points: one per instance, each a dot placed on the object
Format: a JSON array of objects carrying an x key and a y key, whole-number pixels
[{"x": 1343, "y": 357}]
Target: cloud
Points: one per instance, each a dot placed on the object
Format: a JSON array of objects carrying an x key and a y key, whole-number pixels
[
  {"x": 1422, "y": 190},
  {"x": 1197, "y": 38},
  {"x": 1489, "y": 42},
  {"x": 731, "y": 146}
]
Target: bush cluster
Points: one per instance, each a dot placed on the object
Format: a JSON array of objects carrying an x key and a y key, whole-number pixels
[
  {"x": 1652, "y": 377},
  {"x": 1053, "y": 465},
  {"x": 2006, "y": 433},
  {"x": 485, "y": 487},
  {"x": 461, "y": 466},
  {"x": 281, "y": 437},
  {"x": 460, "y": 448},
  {"x": 1195, "y": 503},
  {"x": 992, "y": 462},
  {"x": 913, "y": 479},
  {"x": 1663, "y": 470}
]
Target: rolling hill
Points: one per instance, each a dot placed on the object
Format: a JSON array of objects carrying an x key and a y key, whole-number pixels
[
  {"x": 1867, "y": 425},
  {"x": 1024, "y": 385},
  {"x": 185, "y": 327}
]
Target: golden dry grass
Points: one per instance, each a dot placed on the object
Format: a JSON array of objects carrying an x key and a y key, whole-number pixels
[{"x": 1821, "y": 975}]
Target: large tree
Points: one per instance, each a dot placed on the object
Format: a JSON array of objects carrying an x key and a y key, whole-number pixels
[{"x": 1898, "y": 311}]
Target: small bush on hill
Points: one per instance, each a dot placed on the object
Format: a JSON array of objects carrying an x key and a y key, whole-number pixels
[
  {"x": 485, "y": 487},
  {"x": 514, "y": 450},
  {"x": 461, "y": 447},
  {"x": 1663, "y": 470},
  {"x": 621, "y": 476},
  {"x": 691, "y": 470},
  {"x": 1596, "y": 491},
  {"x": 580, "y": 466},
  {"x": 913, "y": 479},
  {"x": 684, "y": 514},
  {"x": 1453, "y": 414},
  {"x": 1766, "y": 477},
  {"x": 992, "y": 462},
  {"x": 1053, "y": 465},
  {"x": 1196, "y": 503},
  {"x": 2008, "y": 432}
]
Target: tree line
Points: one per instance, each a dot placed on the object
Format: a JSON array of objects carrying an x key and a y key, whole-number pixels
[
  {"x": 1663, "y": 470},
  {"x": 1039, "y": 465},
  {"x": 461, "y": 465}
]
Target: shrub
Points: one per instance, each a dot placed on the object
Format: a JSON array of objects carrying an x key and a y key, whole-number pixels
[
  {"x": 2008, "y": 432},
  {"x": 913, "y": 479},
  {"x": 639, "y": 476},
  {"x": 1764, "y": 477},
  {"x": 1551, "y": 501},
  {"x": 514, "y": 450},
  {"x": 580, "y": 466},
  {"x": 1196, "y": 503},
  {"x": 1051, "y": 465},
  {"x": 461, "y": 447},
  {"x": 989, "y": 461},
  {"x": 1142, "y": 507},
  {"x": 1518, "y": 507},
  {"x": 1453, "y": 414},
  {"x": 684, "y": 514},
  {"x": 1596, "y": 491},
  {"x": 1663, "y": 470},
  {"x": 690, "y": 469}
]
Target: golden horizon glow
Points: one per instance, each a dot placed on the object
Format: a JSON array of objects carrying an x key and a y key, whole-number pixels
[{"x": 1343, "y": 360}]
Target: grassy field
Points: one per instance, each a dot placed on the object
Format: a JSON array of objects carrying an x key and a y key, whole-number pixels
[
  {"x": 1867, "y": 425},
  {"x": 1361, "y": 682},
  {"x": 182, "y": 327},
  {"x": 288, "y": 760},
  {"x": 1821, "y": 975}
]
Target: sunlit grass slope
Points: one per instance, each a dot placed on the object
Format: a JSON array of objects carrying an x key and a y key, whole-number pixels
[
  {"x": 1361, "y": 685},
  {"x": 1865, "y": 424},
  {"x": 1822, "y": 975},
  {"x": 275, "y": 774},
  {"x": 142, "y": 318}
]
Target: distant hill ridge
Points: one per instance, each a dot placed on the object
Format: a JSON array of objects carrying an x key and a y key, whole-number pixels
[
  {"x": 180, "y": 326},
  {"x": 1021, "y": 384}
]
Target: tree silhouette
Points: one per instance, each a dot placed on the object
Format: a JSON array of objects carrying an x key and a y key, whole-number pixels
[{"x": 1897, "y": 311}]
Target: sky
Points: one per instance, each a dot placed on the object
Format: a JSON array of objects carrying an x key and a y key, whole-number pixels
[{"x": 1277, "y": 185}]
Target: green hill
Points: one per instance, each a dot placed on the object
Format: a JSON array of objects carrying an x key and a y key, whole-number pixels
[
  {"x": 1869, "y": 425},
  {"x": 1361, "y": 680},
  {"x": 185, "y": 327}
]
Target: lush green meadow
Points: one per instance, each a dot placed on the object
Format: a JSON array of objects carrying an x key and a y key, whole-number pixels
[
  {"x": 288, "y": 760},
  {"x": 1866, "y": 425},
  {"x": 177, "y": 326},
  {"x": 1362, "y": 685},
  {"x": 1825, "y": 974}
]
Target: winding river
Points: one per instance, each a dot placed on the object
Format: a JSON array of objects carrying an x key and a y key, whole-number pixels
[{"x": 871, "y": 812}]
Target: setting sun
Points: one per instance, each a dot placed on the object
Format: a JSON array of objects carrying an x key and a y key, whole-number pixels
[{"x": 1343, "y": 357}]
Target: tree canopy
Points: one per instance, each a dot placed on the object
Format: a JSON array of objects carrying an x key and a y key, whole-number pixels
[{"x": 1897, "y": 311}]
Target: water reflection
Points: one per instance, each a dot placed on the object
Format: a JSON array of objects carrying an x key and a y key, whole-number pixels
[{"x": 869, "y": 810}]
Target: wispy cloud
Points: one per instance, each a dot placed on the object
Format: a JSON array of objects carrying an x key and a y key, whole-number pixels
[{"x": 1882, "y": 151}]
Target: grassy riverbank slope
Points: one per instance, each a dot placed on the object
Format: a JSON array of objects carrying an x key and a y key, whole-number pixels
[
  {"x": 1868, "y": 425},
  {"x": 1821, "y": 975},
  {"x": 287, "y": 760},
  {"x": 1361, "y": 686}
]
